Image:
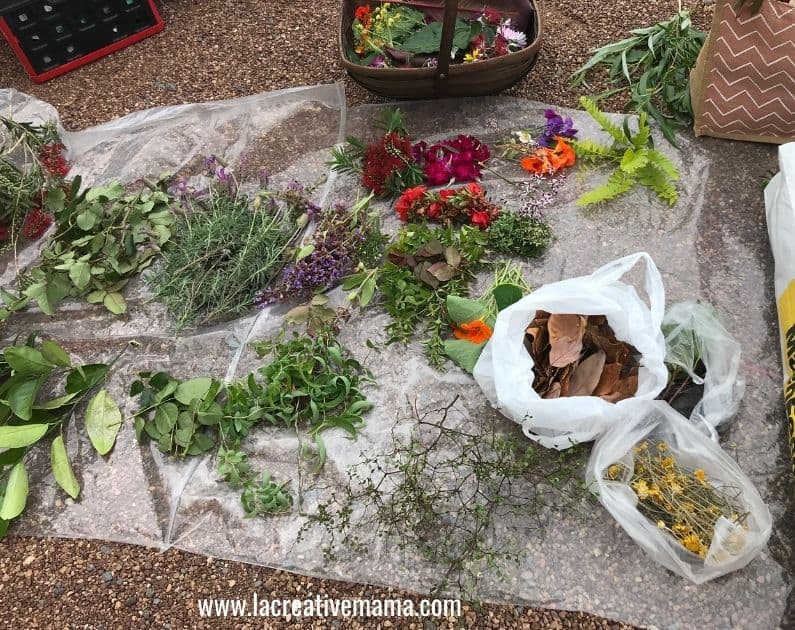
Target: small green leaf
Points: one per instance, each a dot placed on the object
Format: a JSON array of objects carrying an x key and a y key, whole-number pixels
[
  {"x": 462, "y": 310},
  {"x": 506, "y": 294},
  {"x": 86, "y": 220},
  {"x": 53, "y": 353},
  {"x": 56, "y": 403},
  {"x": 85, "y": 377},
  {"x": 115, "y": 303},
  {"x": 195, "y": 388},
  {"x": 62, "y": 469},
  {"x": 16, "y": 494},
  {"x": 464, "y": 354},
  {"x": 25, "y": 360},
  {"x": 96, "y": 297},
  {"x": 21, "y": 435},
  {"x": 103, "y": 421},
  {"x": 80, "y": 274},
  {"x": 22, "y": 395},
  {"x": 305, "y": 251}
]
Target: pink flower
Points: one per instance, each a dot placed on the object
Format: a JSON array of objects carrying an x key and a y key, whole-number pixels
[{"x": 437, "y": 173}]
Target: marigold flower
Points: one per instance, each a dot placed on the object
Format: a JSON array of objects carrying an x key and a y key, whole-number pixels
[{"x": 477, "y": 331}]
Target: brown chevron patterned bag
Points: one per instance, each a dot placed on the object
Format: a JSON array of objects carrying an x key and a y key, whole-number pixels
[{"x": 743, "y": 84}]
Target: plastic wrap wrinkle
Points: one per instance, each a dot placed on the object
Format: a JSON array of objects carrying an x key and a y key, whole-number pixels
[{"x": 138, "y": 495}]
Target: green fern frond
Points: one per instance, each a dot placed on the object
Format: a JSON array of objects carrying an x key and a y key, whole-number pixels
[
  {"x": 616, "y": 185},
  {"x": 591, "y": 151},
  {"x": 633, "y": 160},
  {"x": 642, "y": 138},
  {"x": 656, "y": 179},
  {"x": 604, "y": 121},
  {"x": 663, "y": 163}
]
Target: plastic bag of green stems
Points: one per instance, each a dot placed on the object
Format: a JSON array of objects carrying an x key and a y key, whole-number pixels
[{"x": 680, "y": 497}]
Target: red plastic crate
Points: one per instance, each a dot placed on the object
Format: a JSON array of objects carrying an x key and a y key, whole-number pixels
[{"x": 51, "y": 37}]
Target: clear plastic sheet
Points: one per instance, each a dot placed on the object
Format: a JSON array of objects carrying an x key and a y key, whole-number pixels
[{"x": 707, "y": 246}]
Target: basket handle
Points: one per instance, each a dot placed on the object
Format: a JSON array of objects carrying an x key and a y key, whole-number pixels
[{"x": 446, "y": 45}]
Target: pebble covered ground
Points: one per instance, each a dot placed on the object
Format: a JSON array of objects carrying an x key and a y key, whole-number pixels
[{"x": 222, "y": 49}]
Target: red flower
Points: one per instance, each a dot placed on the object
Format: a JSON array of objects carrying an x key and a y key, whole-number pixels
[
  {"x": 481, "y": 219},
  {"x": 474, "y": 189},
  {"x": 446, "y": 193},
  {"x": 382, "y": 159},
  {"x": 492, "y": 15},
  {"x": 435, "y": 210},
  {"x": 363, "y": 15},
  {"x": 36, "y": 224},
  {"x": 405, "y": 205},
  {"x": 52, "y": 159}
]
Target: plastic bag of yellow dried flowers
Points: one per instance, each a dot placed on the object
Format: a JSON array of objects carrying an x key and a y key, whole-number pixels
[{"x": 677, "y": 493}]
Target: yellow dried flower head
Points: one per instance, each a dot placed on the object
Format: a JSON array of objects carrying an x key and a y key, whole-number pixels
[
  {"x": 662, "y": 447},
  {"x": 700, "y": 475},
  {"x": 676, "y": 488},
  {"x": 641, "y": 488},
  {"x": 692, "y": 543},
  {"x": 661, "y": 524},
  {"x": 614, "y": 471},
  {"x": 714, "y": 509},
  {"x": 668, "y": 463},
  {"x": 680, "y": 528}
]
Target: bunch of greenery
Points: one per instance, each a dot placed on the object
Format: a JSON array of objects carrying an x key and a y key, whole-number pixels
[
  {"x": 23, "y": 176},
  {"x": 310, "y": 382},
  {"x": 461, "y": 496},
  {"x": 515, "y": 234},
  {"x": 31, "y": 374},
  {"x": 654, "y": 67},
  {"x": 634, "y": 156},
  {"x": 423, "y": 267},
  {"x": 226, "y": 248},
  {"x": 104, "y": 238}
]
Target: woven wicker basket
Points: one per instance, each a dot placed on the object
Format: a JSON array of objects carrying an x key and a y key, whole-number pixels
[{"x": 470, "y": 79}]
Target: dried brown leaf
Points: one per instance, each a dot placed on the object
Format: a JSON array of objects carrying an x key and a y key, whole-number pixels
[
  {"x": 565, "y": 338},
  {"x": 608, "y": 381},
  {"x": 553, "y": 391},
  {"x": 586, "y": 376}
]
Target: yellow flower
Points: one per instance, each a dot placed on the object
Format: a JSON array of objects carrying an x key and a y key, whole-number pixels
[
  {"x": 641, "y": 488},
  {"x": 614, "y": 471},
  {"x": 700, "y": 475},
  {"x": 668, "y": 463},
  {"x": 661, "y": 524},
  {"x": 662, "y": 447},
  {"x": 473, "y": 56},
  {"x": 654, "y": 492},
  {"x": 676, "y": 488},
  {"x": 680, "y": 528},
  {"x": 692, "y": 543}
]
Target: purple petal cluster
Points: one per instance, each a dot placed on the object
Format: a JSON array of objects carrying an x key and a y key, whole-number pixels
[
  {"x": 556, "y": 125},
  {"x": 334, "y": 256}
]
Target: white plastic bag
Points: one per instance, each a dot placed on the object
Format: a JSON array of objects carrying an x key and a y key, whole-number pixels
[
  {"x": 692, "y": 330},
  {"x": 780, "y": 207},
  {"x": 733, "y": 546},
  {"x": 505, "y": 368}
]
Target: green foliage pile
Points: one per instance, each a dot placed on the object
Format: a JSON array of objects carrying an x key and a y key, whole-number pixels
[{"x": 635, "y": 159}]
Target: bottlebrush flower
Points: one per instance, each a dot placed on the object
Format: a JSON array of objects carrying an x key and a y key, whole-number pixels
[
  {"x": 36, "y": 224},
  {"x": 52, "y": 159},
  {"x": 383, "y": 160}
]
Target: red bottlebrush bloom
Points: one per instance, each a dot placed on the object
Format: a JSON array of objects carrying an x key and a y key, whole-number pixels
[
  {"x": 390, "y": 155},
  {"x": 36, "y": 224},
  {"x": 480, "y": 218},
  {"x": 52, "y": 159}
]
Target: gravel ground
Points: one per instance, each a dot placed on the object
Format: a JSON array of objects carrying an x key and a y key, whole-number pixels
[
  {"x": 218, "y": 49},
  {"x": 222, "y": 49}
]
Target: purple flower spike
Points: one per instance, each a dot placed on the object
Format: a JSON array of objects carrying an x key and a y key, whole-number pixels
[{"x": 556, "y": 125}]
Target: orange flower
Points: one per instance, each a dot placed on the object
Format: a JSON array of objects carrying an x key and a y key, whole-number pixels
[
  {"x": 363, "y": 15},
  {"x": 474, "y": 332},
  {"x": 546, "y": 161}
]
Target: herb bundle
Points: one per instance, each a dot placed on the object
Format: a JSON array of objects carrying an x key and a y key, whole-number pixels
[
  {"x": 653, "y": 67},
  {"x": 31, "y": 165},
  {"x": 423, "y": 267},
  {"x": 104, "y": 237},
  {"x": 226, "y": 249},
  {"x": 29, "y": 415},
  {"x": 343, "y": 239}
]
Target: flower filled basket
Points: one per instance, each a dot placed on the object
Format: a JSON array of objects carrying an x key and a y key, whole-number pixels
[{"x": 440, "y": 75}]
